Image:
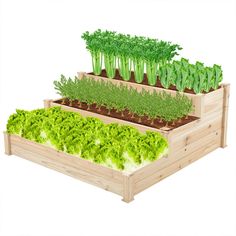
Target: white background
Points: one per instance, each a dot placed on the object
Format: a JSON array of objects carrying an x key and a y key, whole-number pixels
[{"x": 39, "y": 41}]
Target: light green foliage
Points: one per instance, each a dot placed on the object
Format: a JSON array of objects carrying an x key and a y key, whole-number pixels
[
  {"x": 113, "y": 145},
  {"x": 184, "y": 75},
  {"x": 217, "y": 76},
  {"x": 154, "y": 105},
  {"x": 126, "y": 51}
]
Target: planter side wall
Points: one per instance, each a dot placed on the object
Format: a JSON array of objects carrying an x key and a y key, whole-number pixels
[
  {"x": 76, "y": 167},
  {"x": 188, "y": 145}
]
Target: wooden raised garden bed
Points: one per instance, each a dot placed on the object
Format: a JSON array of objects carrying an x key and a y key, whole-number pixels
[
  {"x": 187, "y": 143},
  {"x": 143, "y": 72}
]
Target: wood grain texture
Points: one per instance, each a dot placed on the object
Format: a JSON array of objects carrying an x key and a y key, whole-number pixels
[
  {"x": 128, "y": 194},
  {"x": 226, "y": 88},
  {"x": 7, "y": 143},
  {"x": 47, "y": 103},
  {"x": 175, "y": 166},
  {"x": 76, "y": 167}
]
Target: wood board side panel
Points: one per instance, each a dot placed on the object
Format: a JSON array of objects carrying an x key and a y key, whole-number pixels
[
  {"x": 190, "y": 136},
  {"x": 7, "y": 143},
  {"x": 225, "y": 115},
  {"x": 174, "y": 167},
  {"x": 128, "y": 194},
  {"x": 62, "y": 163},
  {"x": 177, "y": 155},
  {"x": 67, "y": 159}
]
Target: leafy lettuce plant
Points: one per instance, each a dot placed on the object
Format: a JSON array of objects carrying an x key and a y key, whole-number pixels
[
  {"x": 185, "y": 75},
  {"x": 113, "y": 145}
]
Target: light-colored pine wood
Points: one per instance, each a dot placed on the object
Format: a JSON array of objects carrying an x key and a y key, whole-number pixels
[
  {"x": 177, "y": 154},
  {"x": 7, "y": 143},
  {"x": 128, "y": 187},
  {"x": 173, "y": 167},
  {"x": 76, "y": 167},
  {"x": 65, "y": 158},
  {"x": 226, "y": 88},
  {"x": 47, "y": 103}
]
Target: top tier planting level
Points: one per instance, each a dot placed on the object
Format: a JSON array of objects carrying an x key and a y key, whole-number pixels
[{"x": 133, "y": 56}]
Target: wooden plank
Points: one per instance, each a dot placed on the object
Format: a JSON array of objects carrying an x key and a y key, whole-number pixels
[
  {"x": 197, "y": 99},
  {"x": 195, "y": 134},
  {"x": 7, "y": 143},
  {"x": 78, "y": 173},
  {"x": 226, "y": 88},
  {"x": 47, "y": 103},
  {"x": 174, "y": 167},
  {"x": 213, "y": 96},
  {"x": 65, "y": 158},
  {"x": 176, "y": 155},
  {"x": 215, "y": 106},
  {"x": 108, "y": 119},
  {"x": 128, "y": 187}
]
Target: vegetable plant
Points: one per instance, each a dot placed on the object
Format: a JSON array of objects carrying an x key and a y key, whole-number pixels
[
  {"x": 120, "y": 97},
  {"x": 184, "y": 75},
  {"x": 128, "y": 51},
  {"x": 116, "y": 146}
]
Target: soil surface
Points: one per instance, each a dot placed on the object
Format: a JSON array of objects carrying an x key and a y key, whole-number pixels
[
  {"x": 126, "y": 115},
  {"x": 145, "y": 81}
]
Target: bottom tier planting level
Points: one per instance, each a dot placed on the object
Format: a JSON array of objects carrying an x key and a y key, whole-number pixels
[
  {"x": 124, "y": 184},
  {"x": 186, "y": 144}
]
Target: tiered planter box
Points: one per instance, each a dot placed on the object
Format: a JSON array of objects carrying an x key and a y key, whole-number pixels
[{"x": 186, "y": 144}]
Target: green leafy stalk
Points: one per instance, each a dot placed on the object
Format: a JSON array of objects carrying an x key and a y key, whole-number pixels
[
  {"x": 217, "y": 76},
  {"x": 125, "y": 67},
  {"x": 110, "y": 65},
  {"x": 151, "y": 67},
  {"x": 96, "y": 62},
  {"x": 138, "y": 70}
]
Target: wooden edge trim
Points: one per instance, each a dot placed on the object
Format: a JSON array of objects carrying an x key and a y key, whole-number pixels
[
  {"x": 225, "y": 115},
  {"x": 128, "y": 188},
  {"x": 81, "y": 75},
  {"x": 7, "y": 143},
  {"x": 47, "y": 103}
]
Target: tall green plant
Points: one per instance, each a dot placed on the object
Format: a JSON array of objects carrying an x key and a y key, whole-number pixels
[{"x": 122, "y": 49}]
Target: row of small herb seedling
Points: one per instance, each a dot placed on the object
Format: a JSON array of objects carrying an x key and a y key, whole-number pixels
[
  {"x": 151, "y": 104},
  {"x": 128, "y": 53}
]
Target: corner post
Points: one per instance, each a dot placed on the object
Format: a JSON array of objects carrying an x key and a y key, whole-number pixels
[
  {"x": 47, "y": 103},
  {"x": 128, "y": 194},
  {"x": 80, "y": 75},
  {"x": 7, "y": 143},
  {"x": 225, "y": 115}
]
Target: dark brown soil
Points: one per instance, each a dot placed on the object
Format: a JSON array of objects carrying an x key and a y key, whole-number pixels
[
  {"x": 126, "y": 115},
  {"x": 145, "y": 81}
]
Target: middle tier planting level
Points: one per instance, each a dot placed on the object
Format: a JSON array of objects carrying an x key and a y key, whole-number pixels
[{"x": 154, "y": 109}]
